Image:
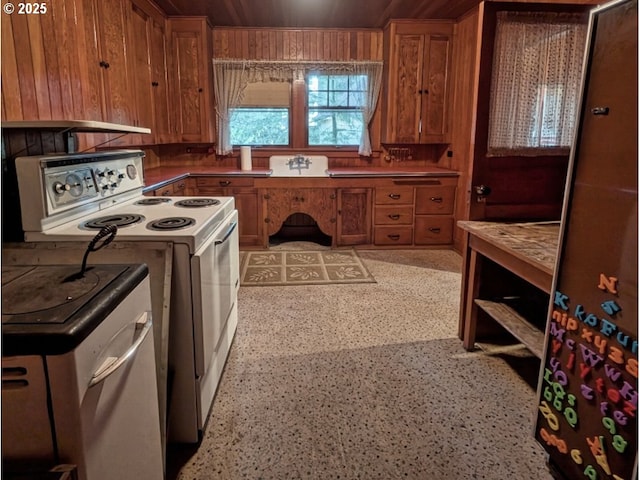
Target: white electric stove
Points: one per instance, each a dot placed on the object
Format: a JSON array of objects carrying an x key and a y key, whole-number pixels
[{"x": 71, "y": 197}]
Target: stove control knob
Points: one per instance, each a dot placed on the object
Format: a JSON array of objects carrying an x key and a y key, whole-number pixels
[
  {"x": 121, "y": 176},
  {"x": 114, "y": 185},
  {"x": 60, "y": 187},
  {"x": 132, "y": 172},
  {"x": 100, "y": 174}
]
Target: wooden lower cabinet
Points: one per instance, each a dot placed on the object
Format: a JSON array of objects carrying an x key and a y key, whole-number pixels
[
  {"x": 414, "y": 215},
  {"x": 318, "y": 203},
  {"x": 247, "y": 200},
  {"x": 179, "y": 188},
  {"x": 393, "y": 215},
  {"x": 354, "y": 216}
]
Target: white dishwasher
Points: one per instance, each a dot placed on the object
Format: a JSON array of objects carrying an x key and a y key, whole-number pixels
[{"x": 78, "y": 372}]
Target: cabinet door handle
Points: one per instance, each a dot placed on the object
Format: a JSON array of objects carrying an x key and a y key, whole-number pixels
[
  {"x": 224, "y": 183},
  {"x": 200, "y": 90},
  {"x": 104, "y": 64},
  {"x": 394, "y": 216},
  {"x": 165, "y": 193},
  {"x": 266, "y": 196},
  {"x": 154, "y": 84},
  {"x": 394, "y": 196},
  {"x": 434, "y": 229},
  {"x": 394, "y": 236},
  {"x": 181, "y": 185},
  {"x": 436, "y": 199}
]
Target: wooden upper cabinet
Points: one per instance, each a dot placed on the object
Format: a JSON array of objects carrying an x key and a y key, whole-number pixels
[
  {"x": 140, "y": 61},
  {"x": 192, "y": 79},
  {"x": 416, "y": 83},
  {"x": 111, "y": 36},
  {"x": 159, "y": 81},
  {"x": 146, "y": 43}
]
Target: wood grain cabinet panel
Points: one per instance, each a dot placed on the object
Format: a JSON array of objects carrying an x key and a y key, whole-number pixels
[
  {"x": 417, "y": 78},
  {"x": 248, "y": 203},
  {"x": 433, "y": 230},
  {"x": 394, "y": 215},
  {"x": 192, "y": 79},
  {"x": 401, "y": 195},
  {"x": 436, "y": 200},
  {"x": 354, "y": 216},
  {"x": 318, "y": 203}
]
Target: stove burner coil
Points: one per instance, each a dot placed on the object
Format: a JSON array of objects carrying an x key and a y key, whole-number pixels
[
  {"x": 152, "y": 201},
  {"x": 171, "y": 223},
  {"x": 122, "y": 220},
  {"x": 197, "y": 202}
]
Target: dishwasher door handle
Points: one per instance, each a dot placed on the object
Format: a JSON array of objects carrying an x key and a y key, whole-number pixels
[{"x": 111, "y": 364}]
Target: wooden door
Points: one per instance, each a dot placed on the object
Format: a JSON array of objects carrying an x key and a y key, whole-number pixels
[
  {"x": 249, "y": 209},
  {"x": 408, "y": 53},
  {"x": 434, "y": 90},
  {"x": 159, "y": 82},
  {"x": 191, "y": 79},
  {"x": 111, "y": 21},
  {"x": 139, "y": 45},
  {"x": 354, "y": 216}
]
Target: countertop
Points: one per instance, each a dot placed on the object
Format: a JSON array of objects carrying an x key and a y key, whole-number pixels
[
  {"x": 534, "y": 242},
  {"x": 160, "y": 176}
]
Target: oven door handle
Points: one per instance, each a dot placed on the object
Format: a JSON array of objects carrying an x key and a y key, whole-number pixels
[
  {"x": 111, "y": 364},
  {"x": 227, "y": 234}
]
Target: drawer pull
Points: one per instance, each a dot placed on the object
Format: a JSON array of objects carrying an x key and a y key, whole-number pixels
[
  {"x": 394, "y": 196},
  {"x": 434, "y": 229},
  {"x": 224, "y": 183},
  {"x": 436, "y": 199},
  {"x": 394, "y": 216},
  {"x": 393, "y": 236}
]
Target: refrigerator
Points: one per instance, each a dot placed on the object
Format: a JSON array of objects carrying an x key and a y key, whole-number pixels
[{"x": 586, "y": 418}]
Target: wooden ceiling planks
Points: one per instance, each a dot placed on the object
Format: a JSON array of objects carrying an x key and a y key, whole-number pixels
[{"x": 315, "y": 13}]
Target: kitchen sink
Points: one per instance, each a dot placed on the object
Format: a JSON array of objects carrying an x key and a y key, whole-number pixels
[{"x": 299, "y": 166}]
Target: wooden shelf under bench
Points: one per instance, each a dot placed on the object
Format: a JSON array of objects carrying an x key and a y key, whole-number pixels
[{"x": 507, "y": 276}]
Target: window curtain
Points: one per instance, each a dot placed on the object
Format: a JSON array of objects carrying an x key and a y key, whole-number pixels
[
  {"x": 231, "y": 77},
  {"x": 535, "y": 89},
  {"x": 229, "y": 82},
  {"x": 373, "y": 73}
]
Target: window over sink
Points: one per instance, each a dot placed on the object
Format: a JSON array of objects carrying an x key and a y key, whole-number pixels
[{"x": 258, "y": 103}]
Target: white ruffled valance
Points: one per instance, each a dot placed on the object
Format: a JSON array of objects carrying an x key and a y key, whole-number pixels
[{"x": 231, "y": 77}]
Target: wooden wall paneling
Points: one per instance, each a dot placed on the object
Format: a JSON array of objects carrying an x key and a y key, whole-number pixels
[
  {"x": 290, "y": 44},
  {"x": 24, "y": 67},
  {"x": 466, "y": 61},
  {"x": 39, "y": 64},
  {"x": 12, "y": 100}
]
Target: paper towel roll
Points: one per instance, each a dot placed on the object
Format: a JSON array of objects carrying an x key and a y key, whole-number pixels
[{"x": 245, "y": 158}]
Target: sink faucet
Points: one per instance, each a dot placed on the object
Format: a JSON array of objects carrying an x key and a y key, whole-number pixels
[{"x": 298, "y": 163}]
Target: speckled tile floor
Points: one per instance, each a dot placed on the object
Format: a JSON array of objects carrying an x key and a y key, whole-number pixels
[{"x": 366, "y": 381}]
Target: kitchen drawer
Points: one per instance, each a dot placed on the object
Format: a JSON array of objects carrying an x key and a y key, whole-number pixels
[
  {"x": 394, "y": 215},
  {"x": 435, "y": 200},
  {"x": 394, "y": 195},
  {"x": 165, "y": 191},
  {"x": 180, "y": 187},
  {"x": 224, "y": 182},
  {"x": 400, "y": 235},
  {"x": 433, "y": 230}
]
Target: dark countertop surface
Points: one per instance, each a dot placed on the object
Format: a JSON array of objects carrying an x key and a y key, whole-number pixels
[
  {"x": 46, "y": 310},
  {"x": 160, "y": 176}
]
